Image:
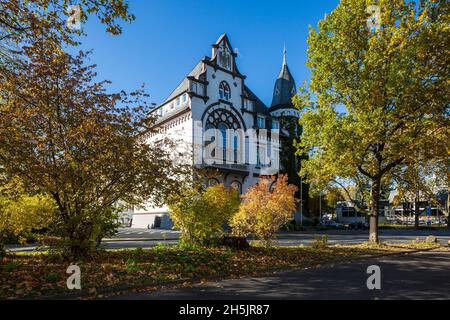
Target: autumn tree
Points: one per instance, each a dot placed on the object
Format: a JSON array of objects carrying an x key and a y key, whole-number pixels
[
  {"x": 27, "y": 21},
  {"x": 87, "y": 149},
  {"x": 265, "y": 208},
  {"x": 201, "y": 214},
  {"x": 380, "y": 88}
]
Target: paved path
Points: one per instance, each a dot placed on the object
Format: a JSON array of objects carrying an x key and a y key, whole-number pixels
[
  {"x": 423, "y": 275},
  {"x": 128, "y": 238},
  {"x": 132, "y": 233}
]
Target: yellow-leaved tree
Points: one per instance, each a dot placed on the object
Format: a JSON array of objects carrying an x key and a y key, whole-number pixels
[
  {"x": 201, "y": 214},
  {"x": 265, "y": 208}
]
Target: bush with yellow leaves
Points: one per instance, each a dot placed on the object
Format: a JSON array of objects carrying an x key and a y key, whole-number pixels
[
  {"x": 21, "y": 211},
  {"x": 201, "y": 214},
  {"x": 265, "y": 208}
]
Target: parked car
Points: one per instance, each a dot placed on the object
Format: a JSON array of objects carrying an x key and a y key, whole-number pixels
[
  {"x": 358, "y": 226},
  {"x": 332, "y": 224},
  {"x": 443, "y": 221}
]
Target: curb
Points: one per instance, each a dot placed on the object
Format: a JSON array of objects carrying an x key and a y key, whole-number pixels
[{"x": 138, "y": 239}]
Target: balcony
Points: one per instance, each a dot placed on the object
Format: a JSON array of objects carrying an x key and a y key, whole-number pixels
[
  {"x": 230, "y": 167},
  {"x": 197, "y": 88}
]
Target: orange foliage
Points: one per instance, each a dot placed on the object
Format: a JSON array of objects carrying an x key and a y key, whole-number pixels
[{"x": 266, "y": 207}]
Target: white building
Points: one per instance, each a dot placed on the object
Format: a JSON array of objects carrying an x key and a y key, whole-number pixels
[{"x": 218, "y": 119}]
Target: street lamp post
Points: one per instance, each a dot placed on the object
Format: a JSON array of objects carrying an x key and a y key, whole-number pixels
[
  {"x": 301, "y": 201},
  {"x": 320, "y": 206}
]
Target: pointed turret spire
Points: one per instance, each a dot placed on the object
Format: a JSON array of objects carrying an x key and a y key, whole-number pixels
[{"x": 285, "y": 87}]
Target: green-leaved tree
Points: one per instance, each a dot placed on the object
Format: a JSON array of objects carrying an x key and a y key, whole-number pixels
[{"x": 380, "y": 88}]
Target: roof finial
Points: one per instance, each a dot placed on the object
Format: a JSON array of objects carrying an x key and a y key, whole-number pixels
[{"x": 284, "y": 54}]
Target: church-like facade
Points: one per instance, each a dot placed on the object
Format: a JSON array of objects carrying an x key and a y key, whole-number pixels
[{"x": 230, "y": 133}]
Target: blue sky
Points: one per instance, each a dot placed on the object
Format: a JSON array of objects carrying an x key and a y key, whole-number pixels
[{"x": 169, "y": 37}]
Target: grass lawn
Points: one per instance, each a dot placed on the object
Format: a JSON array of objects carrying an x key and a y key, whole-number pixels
[{"x": 41, "y": 274}]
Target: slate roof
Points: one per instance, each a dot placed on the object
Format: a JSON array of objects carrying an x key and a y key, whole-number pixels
[
  {"x": 260, "y": 107},
  {"x": 285, "y": 79},
  {"x": 184, "y": 85},
  {"x": 285, "y": 87}
]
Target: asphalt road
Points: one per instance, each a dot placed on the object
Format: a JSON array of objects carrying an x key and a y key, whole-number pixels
[
  {"x": 128, "y": 238},
  {"x": 424, "y": 275},
  {"x": 132, "y": 238}
]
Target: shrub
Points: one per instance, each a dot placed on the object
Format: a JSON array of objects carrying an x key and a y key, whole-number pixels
[
  {"x": 200, "y": 215},
  {"x": 9, "y": 267},
  {"x": 82, "y": 233},
  {"x": 291, "y": 226},
  {"x": 265, "y": 209},
  {"x": 431, "y": 239},
  {"x": 320, "y": 242},
  {"x": 52, "y": 277},
  {"x": 307, "y": 223},
  {"x": 22, "y": 212}
]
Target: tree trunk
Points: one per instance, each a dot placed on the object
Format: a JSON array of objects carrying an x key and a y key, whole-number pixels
[
  {"x": 417, "y": 209},
  {"x": 2, "y": 246},
  {"x": 416, "y": 217},
  {"x": 373, "y": 231},
  {"x": 2, "y": 250},
  {"x": 375, "y": 198}
]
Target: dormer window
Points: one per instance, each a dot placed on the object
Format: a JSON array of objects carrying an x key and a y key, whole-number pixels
[
  {"x": 248, "y": 104},
  {"x": 224, "y": 91},
  {"x": 294, "y": 91},
  {"x": 225, "y": 57},
  {"x": 261, "y": 122}
]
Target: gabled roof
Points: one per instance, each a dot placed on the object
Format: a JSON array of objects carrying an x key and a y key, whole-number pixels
[
  {"x": 199, "y": 73},
  {"x": 224, "y": 38},
  {"x": 184, "y": 85}
]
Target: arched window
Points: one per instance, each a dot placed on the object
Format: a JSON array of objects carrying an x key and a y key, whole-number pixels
[
  {"x": 212, "y": 182},
  {"x": 223, "y": 128},
  {"x": 210, "y": 138},
  {"x": 224, "y": 91},
  {"x": 225, "y": 57},
  {"x": 225, "y": 135},
  {"x": 235, "y": 148},
  {"x": 237, "y": 185}
]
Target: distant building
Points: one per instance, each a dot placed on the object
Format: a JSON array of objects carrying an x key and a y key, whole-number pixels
[
  {"x": 346, "y": 212},
  {"x": 404, "y": 212}
]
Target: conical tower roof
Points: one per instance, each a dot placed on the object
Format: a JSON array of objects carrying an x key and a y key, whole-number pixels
[{"x": 285, "y": 87}]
